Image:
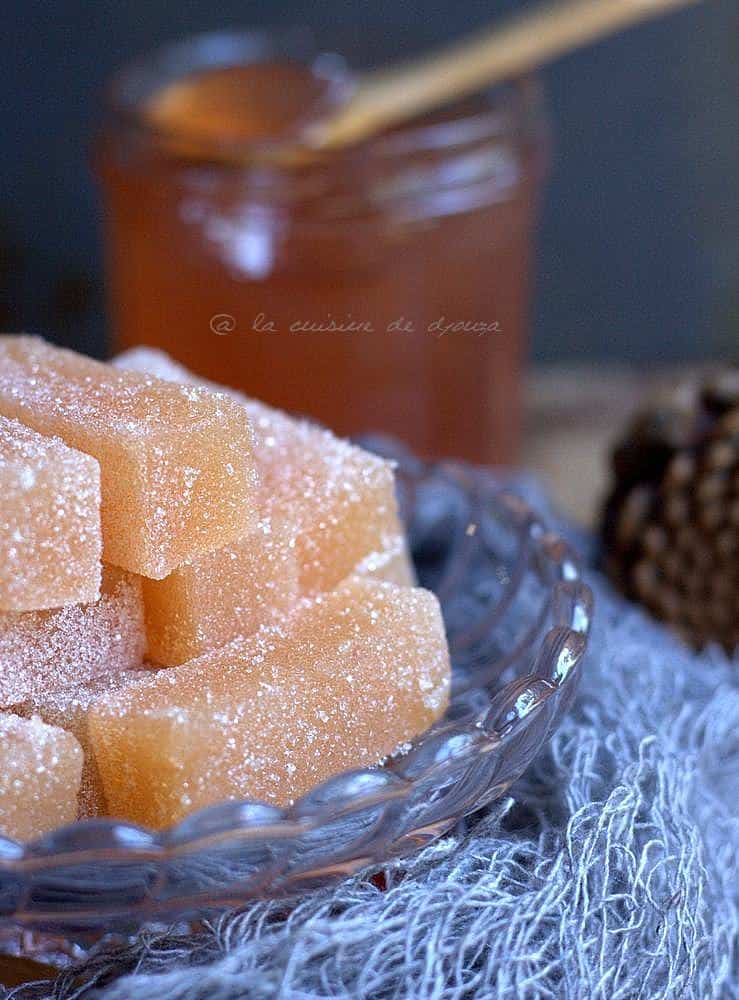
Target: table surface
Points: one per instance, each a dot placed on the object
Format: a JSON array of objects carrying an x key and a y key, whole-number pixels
[{"x": 573, "y": 416}]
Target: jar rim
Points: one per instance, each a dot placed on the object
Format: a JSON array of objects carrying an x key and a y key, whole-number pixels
[{"x": 514, "y": 108}]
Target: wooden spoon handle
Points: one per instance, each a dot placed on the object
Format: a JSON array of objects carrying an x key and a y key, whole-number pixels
[{"x": 531, "y": 39}]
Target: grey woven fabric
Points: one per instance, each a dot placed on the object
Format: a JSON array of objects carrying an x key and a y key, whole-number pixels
[{"x": 611, "y": 873}]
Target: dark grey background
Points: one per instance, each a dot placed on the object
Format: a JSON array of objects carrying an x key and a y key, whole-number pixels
[{"x": 637, "y": 255}]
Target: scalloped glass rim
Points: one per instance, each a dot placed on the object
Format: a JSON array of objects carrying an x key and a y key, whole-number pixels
[{"x": 510, "y": 691}]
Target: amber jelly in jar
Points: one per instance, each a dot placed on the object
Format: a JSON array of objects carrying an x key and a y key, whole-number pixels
[{"x": 383, "y": 287}]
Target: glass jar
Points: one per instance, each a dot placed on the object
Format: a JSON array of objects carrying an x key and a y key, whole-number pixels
[{"x": 383, "y": 287}]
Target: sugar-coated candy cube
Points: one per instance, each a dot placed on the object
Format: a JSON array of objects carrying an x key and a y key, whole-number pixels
[
  {"x": 42, "y": 651},
  {"x": 152, "y": 361},
  {"x": 50, "y": 537},
  {"x": 350, "y": 677},
  {"x": 40, "y": 770},
  {"x": 393, "y": 564},
  {"x": 177, "y": 471},
  {"x": 233, "y": 591},
  {"x": 338, "y": 498},
  {"x": 68, "y": 709}
]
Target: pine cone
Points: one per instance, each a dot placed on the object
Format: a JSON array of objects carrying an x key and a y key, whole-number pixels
[{"x": 671, "y": 522}]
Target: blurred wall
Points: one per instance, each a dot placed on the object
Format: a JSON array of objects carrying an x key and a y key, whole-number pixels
[{"x": 637, "y": 254}]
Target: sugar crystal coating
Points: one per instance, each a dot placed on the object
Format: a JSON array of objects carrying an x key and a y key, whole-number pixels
[
  {"x": 67, "y": 708},
  {"x": 42, "y": 651},
  {"x": 40, "y": 771},
  {"x": 392, "y": 564},
  {"x": 50, "y": 536},
  {"x": 339, "y": 499},
  {"x": 230, "y": 592},
  {"x": 353, "y": 675},
  {"x": 177, "y": 472}
]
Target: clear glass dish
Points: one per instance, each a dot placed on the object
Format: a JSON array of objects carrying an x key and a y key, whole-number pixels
[{"x": 518, "y": 617}]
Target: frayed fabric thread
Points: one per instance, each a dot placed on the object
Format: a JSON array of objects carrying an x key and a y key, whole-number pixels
[{"x": 610, "y": 873}]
